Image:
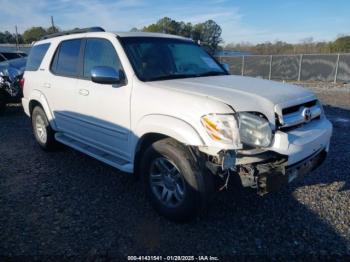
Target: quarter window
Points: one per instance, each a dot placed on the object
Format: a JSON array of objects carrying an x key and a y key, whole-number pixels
[
  {"x": 99, "y": 52},
  {"x": 66, "y": 60},
  {"x": 36, "y": 56}
]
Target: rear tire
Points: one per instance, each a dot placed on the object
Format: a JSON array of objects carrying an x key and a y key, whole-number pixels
[
  {"x": 43, "y": 133},
  {"x": 176, "y": 187}
]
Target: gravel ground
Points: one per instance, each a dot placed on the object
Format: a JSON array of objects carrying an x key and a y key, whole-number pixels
[
  {"x": 66, "y": 203},
  {"x": 329, "y": 93}
]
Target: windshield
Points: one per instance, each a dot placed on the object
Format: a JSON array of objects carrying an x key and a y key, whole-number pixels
[{"x": 168, "y": 58}]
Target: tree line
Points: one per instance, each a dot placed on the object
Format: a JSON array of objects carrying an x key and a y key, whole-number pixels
[
  {"x": 30, "y": 35},
  {"x": 306, "y": 46},
  {"x": 208, "y": 34}
]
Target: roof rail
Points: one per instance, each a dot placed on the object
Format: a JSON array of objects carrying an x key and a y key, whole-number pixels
[{"x": 74, "y": 31}]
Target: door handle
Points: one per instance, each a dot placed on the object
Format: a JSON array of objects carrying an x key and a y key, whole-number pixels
[
  {"x": 47, "y": 85},
  {"x": 83, "y": 92}
]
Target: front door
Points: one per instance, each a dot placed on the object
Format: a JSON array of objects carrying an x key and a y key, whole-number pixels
[{"x": 104, "y": 108}]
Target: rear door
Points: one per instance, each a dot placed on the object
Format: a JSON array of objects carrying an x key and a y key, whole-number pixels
[
  {"x": 61, "y": 88},
  {"x": 104, "y": 108}
]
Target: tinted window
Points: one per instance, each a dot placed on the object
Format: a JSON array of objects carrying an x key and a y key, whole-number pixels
[
  {"x": 66, "y": 60},
  {"x": 36, "y": 56},
  {"x": 2, "y": 58},
  {"x": 99, "y": 52}
]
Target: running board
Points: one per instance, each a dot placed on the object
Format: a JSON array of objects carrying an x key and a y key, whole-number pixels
[{"x": 94, "y": 152}]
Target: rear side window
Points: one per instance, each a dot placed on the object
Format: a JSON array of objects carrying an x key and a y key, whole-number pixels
[
  {"x": 66, "y": 60},
  {"x": 99, "y": 52},
  {"x": 36, "y": 56}
]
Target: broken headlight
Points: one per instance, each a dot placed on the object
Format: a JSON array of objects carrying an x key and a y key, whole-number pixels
[
  {"x": 222, "y": 128},
  {"x": 254, "y": 130}
]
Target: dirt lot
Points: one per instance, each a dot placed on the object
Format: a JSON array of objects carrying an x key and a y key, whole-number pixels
[{"x": 65, "y": 203}]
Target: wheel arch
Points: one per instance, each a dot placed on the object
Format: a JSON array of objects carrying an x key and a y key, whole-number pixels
[
  {"x": 153, "y": 128},
  {"x": 38, "y": 99},
  {"x": 32, "y": 104}
]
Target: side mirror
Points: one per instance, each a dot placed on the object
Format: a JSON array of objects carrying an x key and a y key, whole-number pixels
[
  {"x": 226, "y": 66},
  {"x": 105, "y": 75}
]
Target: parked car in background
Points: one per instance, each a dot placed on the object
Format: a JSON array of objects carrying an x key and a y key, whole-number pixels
[
  {"x": 7, "y": 55},
  {"x": 161, "y": 107},
  {"x": 11, "y": 72}
]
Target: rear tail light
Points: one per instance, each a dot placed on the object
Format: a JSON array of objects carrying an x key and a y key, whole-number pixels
[{"x": 21, "y": 83}]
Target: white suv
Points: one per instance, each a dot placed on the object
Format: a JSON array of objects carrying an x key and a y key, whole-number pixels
[{"x": 161, "y": 107}]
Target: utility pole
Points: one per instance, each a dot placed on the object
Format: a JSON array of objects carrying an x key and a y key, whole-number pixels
[
  {"x": 53, "y": 25},
  {"x": 16, "y": 37}
]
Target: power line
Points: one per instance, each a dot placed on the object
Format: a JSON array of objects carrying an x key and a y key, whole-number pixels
[
  {"x": 53, "y": 25},
  {"x": 16, "y": 36}
]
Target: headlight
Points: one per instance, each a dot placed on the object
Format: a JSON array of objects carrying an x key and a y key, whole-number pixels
[
  {"x": 254, "y": 130},
  {"x": 222, "y": 128}
]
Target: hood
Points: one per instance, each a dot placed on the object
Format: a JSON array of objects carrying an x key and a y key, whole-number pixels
[
  {"x": 242, "y": 93},
  {"x": 18, "y": 64}
]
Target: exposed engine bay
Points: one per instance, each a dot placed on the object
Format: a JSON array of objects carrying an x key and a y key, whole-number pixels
[{"x": 10, "y": 89}]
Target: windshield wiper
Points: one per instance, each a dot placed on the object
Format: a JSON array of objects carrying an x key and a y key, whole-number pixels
[
  {"x": 168, "y": 77},
  {"x": 212, "y": 73},
  {"x": 177, "y": 76}
]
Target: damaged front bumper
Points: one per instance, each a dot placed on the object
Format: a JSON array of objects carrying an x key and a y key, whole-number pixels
[
  {"x": 269, "y": 177},
  {"x": 270, "y": 174},
  {"x": 293, "y": 154}
]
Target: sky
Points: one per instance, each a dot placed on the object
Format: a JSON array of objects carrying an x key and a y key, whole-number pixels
[{"x": 253, "y": 21}]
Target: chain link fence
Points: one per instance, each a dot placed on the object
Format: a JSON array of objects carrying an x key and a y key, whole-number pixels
[
  {"x": 12, "y": 48},
  {"x": 306, "y": 67}
]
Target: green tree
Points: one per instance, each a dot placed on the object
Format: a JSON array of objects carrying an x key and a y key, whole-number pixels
[
  {"x": 342, "y": 44},
  {"x": 134, "y": 29},
  {"x": 152, "y": 28},
  {"x": 208, "y": 33},
  {"x": 7, "y": 37},
  {"x": 52, "y": 30},
  {"x": 211, "y": 35},
  {"x": 197, "y": 31},
  {"x": 164, "y": 25},
  {"x": 169, "y": 26},
  {"x": 185, "y": 29},
  {"x": 33, "y": 34}
]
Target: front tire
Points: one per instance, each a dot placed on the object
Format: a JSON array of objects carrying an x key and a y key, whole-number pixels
[
  {"x": 44, "y": 134},
  {"x": 174, "y": 182}
]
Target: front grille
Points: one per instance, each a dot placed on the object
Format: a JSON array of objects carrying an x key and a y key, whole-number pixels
[
  {"x": 298, "y": 115},
  {"x": 296, "y": 108}
]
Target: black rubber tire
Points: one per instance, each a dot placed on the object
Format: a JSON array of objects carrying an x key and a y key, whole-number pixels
[
  {"x": 51, "y": 143},
  {"x": 196, "y": 181},
  {"x": 2, "y": 102}
]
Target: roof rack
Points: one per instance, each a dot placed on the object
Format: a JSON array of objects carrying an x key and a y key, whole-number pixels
[{"x": 75, "y": 31}]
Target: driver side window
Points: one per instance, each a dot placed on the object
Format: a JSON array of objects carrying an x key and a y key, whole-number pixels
[{"x": 99, "y": 52}]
